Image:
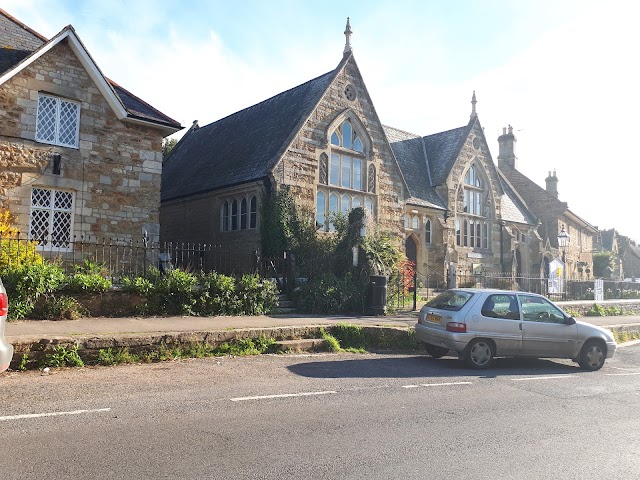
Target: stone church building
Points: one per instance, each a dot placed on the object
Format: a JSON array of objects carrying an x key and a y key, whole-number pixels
[{"x": 442, "y": 194}]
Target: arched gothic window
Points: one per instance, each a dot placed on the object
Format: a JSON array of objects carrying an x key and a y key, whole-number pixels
[
  {"x": 427, "y": 231},
  {"x": 472, "y": 224},
  {"x": 343, "y": 172},
  {"x": 239, "y": 213}
]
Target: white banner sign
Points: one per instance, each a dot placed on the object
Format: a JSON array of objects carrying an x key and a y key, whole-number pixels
[{"x": 598, "y": 290}]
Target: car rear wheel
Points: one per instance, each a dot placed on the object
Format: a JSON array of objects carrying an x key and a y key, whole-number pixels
[
  {"x": 592, "y": 356},
  {"x": 479, "y": 354},
  {"x": 436, "y": 352}
]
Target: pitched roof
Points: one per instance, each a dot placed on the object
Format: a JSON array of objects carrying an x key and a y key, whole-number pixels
[
  {"x": 512, "y": 206},
  {"x": 443, "y": 149},
  {"x": 33, "y": 45},
  {"x": 242, "y": 147},
  {"x": 411, "y": 155}
]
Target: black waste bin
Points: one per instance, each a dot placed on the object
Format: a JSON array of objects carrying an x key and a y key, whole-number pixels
[{"x": 377, "y": 294}]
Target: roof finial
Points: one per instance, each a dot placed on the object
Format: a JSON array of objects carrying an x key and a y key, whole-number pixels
[
  {"x": 473, "y": 106},
  {"x": 347, "y": 33}
]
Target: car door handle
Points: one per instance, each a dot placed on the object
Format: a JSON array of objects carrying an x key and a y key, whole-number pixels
[{"x": 520, "y": 325}]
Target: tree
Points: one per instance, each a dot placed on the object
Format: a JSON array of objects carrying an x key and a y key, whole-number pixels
[
  {"x": 601, "y": 261},
  {"x": 167, "y": 146}
]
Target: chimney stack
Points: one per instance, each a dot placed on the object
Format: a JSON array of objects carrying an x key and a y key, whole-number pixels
[
  {"x": 552, "y": 184},
  {"x": 507, "y": 149}
]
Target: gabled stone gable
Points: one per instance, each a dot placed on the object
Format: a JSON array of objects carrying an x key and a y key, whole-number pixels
[
  {"x": 468, "y": 154},
  {"x": 115, "y": 172},
  {"x": 299, "y": 167}
]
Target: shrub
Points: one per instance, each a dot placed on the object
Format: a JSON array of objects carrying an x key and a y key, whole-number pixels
[
  {"x": 15, "y": 252},
  {"x": 26, "y": 283},
  {"x": 595, "y": 311},
  {"x": 174, "y": 293},
  {"x": 255, "y": 296},
  {"x": 328, "y": 294},
  {"x": 138, "y": 285},
  {"x": 60, "y": 307},
  {"x": 217, "y": 295},
  {"x": 63, "y": 357},
  {"x": 87, "y": 283}
]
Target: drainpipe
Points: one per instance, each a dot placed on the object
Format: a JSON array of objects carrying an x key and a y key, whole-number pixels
[{"x": 502, "y": 225}]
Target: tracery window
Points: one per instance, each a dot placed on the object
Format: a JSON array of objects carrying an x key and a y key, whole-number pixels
[
  {"x": 342, "y": 173},
  {"x": 472, "y": 224}
]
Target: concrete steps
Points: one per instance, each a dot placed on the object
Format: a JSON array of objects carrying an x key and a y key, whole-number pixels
[
  {"x": 302, "y": 345},
  {"x": 284, "y": 305}
]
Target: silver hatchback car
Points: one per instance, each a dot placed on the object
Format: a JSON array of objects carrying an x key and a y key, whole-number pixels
[
  {"x": 6, "y": 350},
  {"x": 480, "y": 325}
]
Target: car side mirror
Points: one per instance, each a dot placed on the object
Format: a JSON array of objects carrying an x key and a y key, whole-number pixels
[{"x": 570, "y": 321}]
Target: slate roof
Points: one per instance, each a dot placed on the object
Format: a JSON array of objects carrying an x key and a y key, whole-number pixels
[
  {"x": 10, "y": 57},
  {"x": 530, "y": 189},
  {"x": 242, "y": 147},
  {"x": 411, "y": 155},
  {"x": 512, "y": 207},
  {"x": 136, "y": 108},
  {"x": 443, "y": 149}
]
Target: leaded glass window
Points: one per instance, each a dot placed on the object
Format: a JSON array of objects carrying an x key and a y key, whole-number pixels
[
  {"x": 324, "y": 169},
  {"x": 51, "y": 218},
  {"x": 475, "y": 225},
  {"x": 57, "y": 121}
]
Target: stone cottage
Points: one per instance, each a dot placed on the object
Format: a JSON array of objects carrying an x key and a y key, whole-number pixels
[
  {"x": 324, "y": 142},
  {"x": 80, "y": 155}
]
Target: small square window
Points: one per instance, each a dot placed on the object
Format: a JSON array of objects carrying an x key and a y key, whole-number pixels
[{"x": 58, "y": 121}]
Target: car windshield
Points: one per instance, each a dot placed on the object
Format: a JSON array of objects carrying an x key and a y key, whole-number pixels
[{"x": 450, "y": 300}]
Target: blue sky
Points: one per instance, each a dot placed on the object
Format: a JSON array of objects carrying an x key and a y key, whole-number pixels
[{"x": 563, "y": 73}]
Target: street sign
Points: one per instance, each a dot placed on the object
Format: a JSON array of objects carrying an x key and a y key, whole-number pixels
[{"x": 598, "y": 290}]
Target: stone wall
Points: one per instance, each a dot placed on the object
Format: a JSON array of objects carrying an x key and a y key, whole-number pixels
[
  {"x": 298, "y": 169},
  {"x": 115, "y": 172},
  {"x": 17, "y": 37}
]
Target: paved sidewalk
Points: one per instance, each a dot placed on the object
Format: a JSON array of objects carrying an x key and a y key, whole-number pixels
[{"x": 138, "y": 325}]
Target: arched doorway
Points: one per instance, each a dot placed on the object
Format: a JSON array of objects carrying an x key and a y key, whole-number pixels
[{"x": 411, "y": 250}]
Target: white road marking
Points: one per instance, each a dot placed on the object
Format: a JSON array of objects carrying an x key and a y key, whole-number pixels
[
  {"x": 284, "y": 395},
  {"x": 436, "y": 384},
  {"x": 555, "y": 377},
  {"x": 52, "y": 414},
  {"x": 622, "y": 374}
]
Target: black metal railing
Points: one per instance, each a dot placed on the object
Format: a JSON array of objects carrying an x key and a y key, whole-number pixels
[{"x": 130, "y": 257}]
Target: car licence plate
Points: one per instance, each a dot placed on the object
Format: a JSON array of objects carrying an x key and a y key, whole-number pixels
[{"x": 433, "y": 318}]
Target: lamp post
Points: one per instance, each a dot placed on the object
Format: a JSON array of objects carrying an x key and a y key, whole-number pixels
[{"x": 564, "y": 239}]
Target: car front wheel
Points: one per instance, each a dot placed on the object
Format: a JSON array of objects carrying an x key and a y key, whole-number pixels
[
  {"x": 592, "y": 356},
  {"x": 479, "y": 354}
]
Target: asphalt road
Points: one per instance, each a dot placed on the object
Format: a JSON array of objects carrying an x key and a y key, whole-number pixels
[{"x": 332, "y": 416}]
